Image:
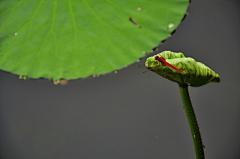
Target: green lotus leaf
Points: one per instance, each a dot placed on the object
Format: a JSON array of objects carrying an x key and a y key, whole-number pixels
[
  {"x": 190, "y": 72},
  {"x": 73, "y": 39}
]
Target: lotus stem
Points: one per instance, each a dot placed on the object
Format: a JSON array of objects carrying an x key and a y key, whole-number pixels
[{"x": 192, "y": 120}]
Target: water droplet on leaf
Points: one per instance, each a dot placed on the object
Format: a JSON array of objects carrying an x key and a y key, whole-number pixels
[{"x": 170, "y": 25}]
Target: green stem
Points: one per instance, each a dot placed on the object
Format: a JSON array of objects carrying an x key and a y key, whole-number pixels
[{"x": 192, "y": 120}]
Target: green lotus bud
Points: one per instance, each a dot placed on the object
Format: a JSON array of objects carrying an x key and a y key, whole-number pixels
[{"x": 177, "y": 68}]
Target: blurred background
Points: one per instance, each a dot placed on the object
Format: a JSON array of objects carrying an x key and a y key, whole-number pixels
[{"x": 130, "y": 115}]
